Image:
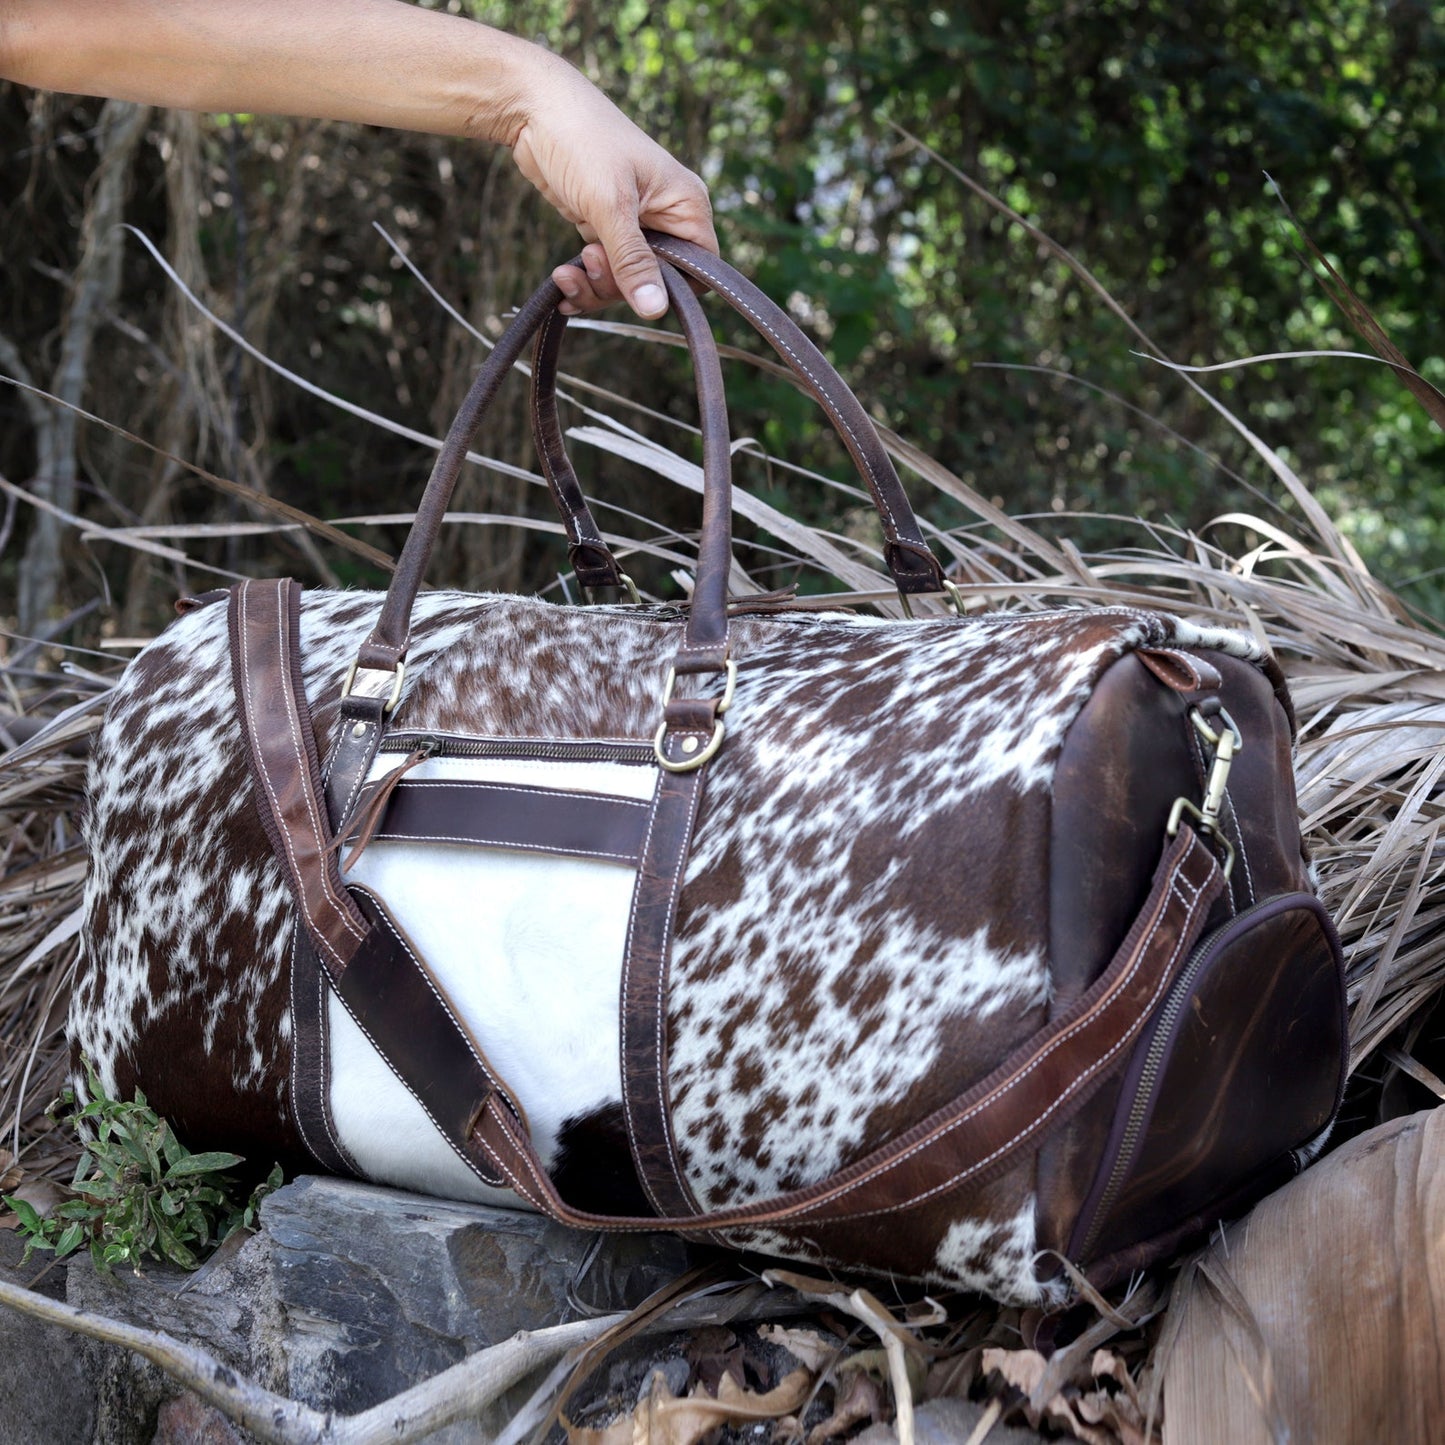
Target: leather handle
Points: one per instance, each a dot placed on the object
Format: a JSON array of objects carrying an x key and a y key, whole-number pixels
[
  {"x": 705, "y": 634},
  {"x": 591, "y": 558},
  {"x": 914, "y": 567}
]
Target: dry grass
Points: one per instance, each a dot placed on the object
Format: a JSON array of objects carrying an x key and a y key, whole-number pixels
[{"x": 1369, "y": 687}]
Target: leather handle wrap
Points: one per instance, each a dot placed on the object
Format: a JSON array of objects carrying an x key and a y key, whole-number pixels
[{"x": 914, "y": 567}]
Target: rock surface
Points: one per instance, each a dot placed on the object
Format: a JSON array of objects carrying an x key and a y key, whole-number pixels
[{"x": 348, "y": 1294}]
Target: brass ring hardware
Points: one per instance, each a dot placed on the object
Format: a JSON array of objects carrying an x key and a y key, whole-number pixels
[
  {"x": 955, "y": 599},
  {"x": 1206, "y": 826},
  {"x": 634, "y": 597},
  {"x": 706, "y": 753},
  {"x": 1201, "y": 726},
  {"x": 690, "y": 764},
  {"x": 729, "y": 688},
  {"x": 348, "y": 686}
]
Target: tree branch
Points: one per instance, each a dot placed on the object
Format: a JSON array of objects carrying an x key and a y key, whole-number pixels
[{"x": 465, "y": 1389}]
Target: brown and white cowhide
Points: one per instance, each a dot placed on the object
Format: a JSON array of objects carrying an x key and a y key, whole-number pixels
[{"x": 852, "y": 946}]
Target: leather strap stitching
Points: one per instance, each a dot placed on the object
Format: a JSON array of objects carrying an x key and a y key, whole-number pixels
[{"x": 275, "y": 802}]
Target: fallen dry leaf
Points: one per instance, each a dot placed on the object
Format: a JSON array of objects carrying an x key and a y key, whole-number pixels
[
  {"x": 661, "y": 1418},
  {"x": 860, "y": 1398},
  {"x": 42, "y": 1195},
  {"x": 1023, "y": 1369},
  {"x": 714, "y": 1352},
  {"x": 906, "y": 1354},
  {"x": 1319, "y": 1317},
  {"x": 808, "y": 1347}
]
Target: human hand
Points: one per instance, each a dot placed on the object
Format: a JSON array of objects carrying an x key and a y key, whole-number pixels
[{"x": 610, "y": 180}]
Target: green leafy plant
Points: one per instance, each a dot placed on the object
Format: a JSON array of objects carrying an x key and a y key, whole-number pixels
[{"x": 138, "y": 1192}]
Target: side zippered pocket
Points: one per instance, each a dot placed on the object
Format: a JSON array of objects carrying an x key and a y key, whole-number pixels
[{"x": 1243, "y": 1063}]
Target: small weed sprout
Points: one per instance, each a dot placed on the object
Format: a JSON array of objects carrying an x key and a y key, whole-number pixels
[{"x": 138, "y": 1192}]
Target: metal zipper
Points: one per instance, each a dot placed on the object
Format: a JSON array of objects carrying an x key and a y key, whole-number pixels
[
  {"x": 458, "y": 745},
  {"x": 1148, "y": 1076}
]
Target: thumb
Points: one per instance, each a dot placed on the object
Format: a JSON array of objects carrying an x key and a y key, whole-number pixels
[{"x": 635, "y": 269}]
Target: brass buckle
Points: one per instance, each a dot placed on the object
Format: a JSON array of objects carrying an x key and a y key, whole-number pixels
[
  {"x": 349, "y": 686},
  {"x": 955, "y": 598},
  {"x": 690, "y": 764},
  {"x": 1227, "y": 743}
]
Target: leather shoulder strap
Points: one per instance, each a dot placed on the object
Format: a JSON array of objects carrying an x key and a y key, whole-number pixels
[
  {"x": 977, "y": 1136},
  {"x": 368, "y": 960}
]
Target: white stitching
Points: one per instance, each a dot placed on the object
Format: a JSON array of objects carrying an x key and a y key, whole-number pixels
[
  {"x": 357, "y": 782},
  {"x": 1233, "y": 816},
  {"x": 382, "y": 1055},
  {"x": 296, "y": 1049},
  {"x": 292, "y": 710},
  {"x": 281, "y": 829},
  {"x": 427, "y": 979},
  {"x": 324, "y": 1032},
  {"x": 1039, "y": 1119},
  {"x": 881, "y": 1170},
  {"x": 661, "y": 1010},
  {"x": 1191, "y": 906},
  {"x": 624, "y": 1011},
  {"x": 568, "y": 793},
  {"x": 504, "y": 845}
]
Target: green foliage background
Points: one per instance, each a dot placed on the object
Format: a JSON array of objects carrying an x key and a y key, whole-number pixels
[{"x": 1137, "y": 133}]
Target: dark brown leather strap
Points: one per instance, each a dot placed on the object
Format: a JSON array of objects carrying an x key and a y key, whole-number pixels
[
  {"x": 311, "y": 1059},
  {"x": 913, "y": 565},
  {"x": 562, "y": 821},
  {"x": 266, "y": 670},
  {"x": 366, "y": 957},
  {"x": 644, "y": 993},
  {"x": 360, "y": 727},
  {"x": 591, "y": 560}
]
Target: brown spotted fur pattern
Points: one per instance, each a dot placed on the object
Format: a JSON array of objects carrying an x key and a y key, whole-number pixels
[{"x": 852, "y": 948}]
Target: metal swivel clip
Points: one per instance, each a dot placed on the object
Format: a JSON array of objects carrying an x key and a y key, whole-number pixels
[{"x": 1227, "y": 742}]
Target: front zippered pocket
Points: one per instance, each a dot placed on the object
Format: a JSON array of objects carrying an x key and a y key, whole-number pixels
[
  {"x": 1242, "y": 1062},
  {"x": 553, "y": 750}
]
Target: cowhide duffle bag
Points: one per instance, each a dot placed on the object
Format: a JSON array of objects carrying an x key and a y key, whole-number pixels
[{"x": 945, "y": 947}]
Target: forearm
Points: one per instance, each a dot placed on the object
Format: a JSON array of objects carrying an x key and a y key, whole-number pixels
[
  {"x": 385, "y": 62},
  {"x": 382, "y": 62}
]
